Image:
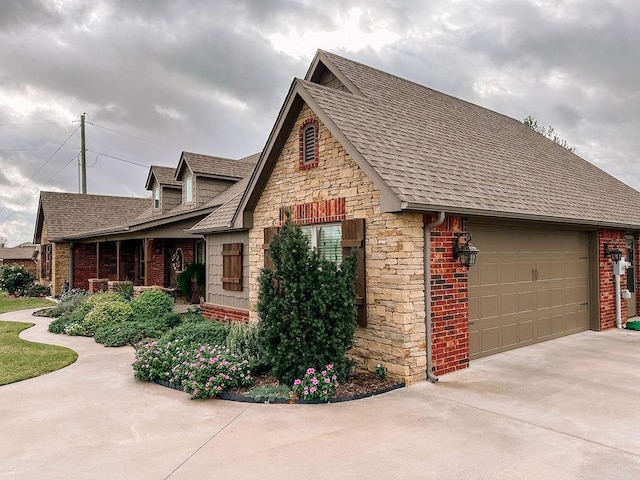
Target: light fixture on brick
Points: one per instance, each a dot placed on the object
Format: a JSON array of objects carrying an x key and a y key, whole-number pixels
[
  {"x": 615, "y": 253},
  {"x": 466, "y": 253}
]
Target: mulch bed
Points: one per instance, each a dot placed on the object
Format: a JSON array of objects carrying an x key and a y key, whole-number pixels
[{"x": 359, "y": 385}]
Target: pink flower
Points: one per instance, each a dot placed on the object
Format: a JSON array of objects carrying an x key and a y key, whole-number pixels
[
  {"x": 330, "y": 366},
  {"x": 324, "y": 372},
  {"x": 314, "y": 380},
  {"x": 312, "y": 389},
  {"x": 311, "y": 371},
  {"x": 326, "y": 380},
  {"x": 297, "y": 381},
  {"x": 334, "y": 377}
]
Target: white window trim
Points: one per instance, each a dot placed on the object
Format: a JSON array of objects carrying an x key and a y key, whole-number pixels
[
  {"x": 188, "y": 181},
  {"x": 314, "y": 229},
  {"x": 156, "y": 198}
]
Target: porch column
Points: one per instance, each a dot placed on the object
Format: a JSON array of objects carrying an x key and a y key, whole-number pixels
[
  {"x": 147, "y": 258},
  {"x": 118, "y": 260},
  {"x": 97, "y": 259}
]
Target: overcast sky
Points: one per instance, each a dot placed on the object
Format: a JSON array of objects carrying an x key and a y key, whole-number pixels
[{"x": 156, "y": 77}]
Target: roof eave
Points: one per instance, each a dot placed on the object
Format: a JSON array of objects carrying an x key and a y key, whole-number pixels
[{"x": 593, "y": 224}]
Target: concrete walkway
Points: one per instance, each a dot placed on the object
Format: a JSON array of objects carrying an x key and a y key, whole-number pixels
[{"x": 566, "y": 409}]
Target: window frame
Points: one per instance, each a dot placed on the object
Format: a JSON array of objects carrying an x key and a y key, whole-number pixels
[
  {"x": 200, "y": 252},
  {"x": 188, "y": 190},
  {"x": 156, "y": 198},
  {"x": 314, "y": 234}
]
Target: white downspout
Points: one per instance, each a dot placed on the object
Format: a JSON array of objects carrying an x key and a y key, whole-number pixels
[
  {"x": 616, "y": 274},
  {"x": 427, "y": 293}
]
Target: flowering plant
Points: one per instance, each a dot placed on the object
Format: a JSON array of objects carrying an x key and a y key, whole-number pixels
[
  {"x": 381, "y": 371},
  {"x": 203, "y": 370},
  {"x": 316, "y": 384}
]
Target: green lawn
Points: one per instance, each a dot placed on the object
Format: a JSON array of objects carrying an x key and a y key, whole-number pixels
[
  {"x": 9, "y": 304},
  {"x": 20, "y": 359}
]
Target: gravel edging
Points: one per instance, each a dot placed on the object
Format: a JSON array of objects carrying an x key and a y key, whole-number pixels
[{"x": 244, "y": 399}]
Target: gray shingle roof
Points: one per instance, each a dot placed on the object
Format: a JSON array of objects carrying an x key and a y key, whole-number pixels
[
  {"x": 220, "y": 218},
  {"x": 216, "y": 166},
  {"x": 437, "y": 152},
  {"x": 164, "y": 176},
  {"x": 69, "y": 214},
  {"x": 17, "y": 253}
]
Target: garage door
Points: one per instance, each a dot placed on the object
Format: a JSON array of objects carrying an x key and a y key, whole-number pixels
[{"x": 527, "y": 286}]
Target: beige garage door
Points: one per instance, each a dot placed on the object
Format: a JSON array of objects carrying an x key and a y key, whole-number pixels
[{"x": 527, "y": 286}]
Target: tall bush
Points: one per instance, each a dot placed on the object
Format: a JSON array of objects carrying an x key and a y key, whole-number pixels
[
  {"x": 306, "y": 307},
  {"x": 151, "y": 304},
  {"x": 15, "y": 279}
]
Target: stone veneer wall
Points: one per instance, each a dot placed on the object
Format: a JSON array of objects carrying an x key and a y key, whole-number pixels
[
  {"x": 395, "y": 335},
  {"x": 59, "y": 267}
]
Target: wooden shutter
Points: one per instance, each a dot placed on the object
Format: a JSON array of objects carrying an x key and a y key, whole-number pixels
[
  {"x": 232, "y": 266},
  {"x": 353, "y": 237},
  {"x": 269, "y": 233}
]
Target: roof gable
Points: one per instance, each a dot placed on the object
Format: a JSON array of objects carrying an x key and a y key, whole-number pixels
[
  {"x": 214, "y": 167},
  {"x": 414, "y": 142},
  {"x": 164, "y": 176},
  {"x": 68, "y": 214}
]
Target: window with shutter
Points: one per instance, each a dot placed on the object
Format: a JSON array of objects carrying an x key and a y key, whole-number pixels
[
  {"x": 269, "y": 232},
  {"x": 353, "y": 237},
  {"x": 232, "y": 266}
]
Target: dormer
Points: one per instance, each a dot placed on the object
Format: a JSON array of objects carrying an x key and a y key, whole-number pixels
[
  {"x": 203, "y": 177},
  {"x": 166, "y": 192}
]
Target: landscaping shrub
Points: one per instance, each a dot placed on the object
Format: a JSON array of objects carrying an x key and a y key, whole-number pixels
[
  {"x": 15, "y": 279},
  {"x": 151, "y": 304},
  {"x": 306, "y": 307},
  {"x": 106, "y": 313},
  {"x": 204, "y": 371},
  {"x": 95, "y": 299},
  {"x": 134, "y": 331},
  {"x": 125, "y": 289},
  {"x": 194, "y": 332},
  {"x": 244, "y": 340},
  {"x": 69, "y": 302},
  {"x": 36, "y": 291},
  {"x": 60, "y": 324},
  {"x": 316, "y": 384}
]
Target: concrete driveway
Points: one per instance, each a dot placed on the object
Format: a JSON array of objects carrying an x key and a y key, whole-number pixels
[{"x": 569, "y": 408}]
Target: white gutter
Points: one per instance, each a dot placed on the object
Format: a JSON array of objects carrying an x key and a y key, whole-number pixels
[{"x": 427, "y": 293}]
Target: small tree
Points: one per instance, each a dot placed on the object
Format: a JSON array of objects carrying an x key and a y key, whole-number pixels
[
  {"x": 548, "y": 132},
  {"x": 306, "y": 307}
]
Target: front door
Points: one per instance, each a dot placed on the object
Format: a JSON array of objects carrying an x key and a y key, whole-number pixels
[{"x": 631, "y": 284}]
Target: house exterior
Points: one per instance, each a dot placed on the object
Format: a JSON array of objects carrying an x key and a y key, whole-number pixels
[
  {"x": 142, "y": 240},
  {"x": 364, "y": 159},
  {"x": 25, "y": 255}
]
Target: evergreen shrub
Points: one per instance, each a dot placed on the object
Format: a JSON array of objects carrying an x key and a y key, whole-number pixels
[{"x": 306, "y": 307}]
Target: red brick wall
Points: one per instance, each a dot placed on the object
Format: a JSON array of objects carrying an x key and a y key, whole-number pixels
[
  {"x": 84, "y": 264},
  {"x": 636, "y": 265},
  {"x": 157, "y": 264},
  {"x": 449, "y": 299},
  {"x": 606, "y": 285},
  {"x": 28, "y": 265},
  {"x": 218, "y": 312},
  {"x": 108, "y": 261}
]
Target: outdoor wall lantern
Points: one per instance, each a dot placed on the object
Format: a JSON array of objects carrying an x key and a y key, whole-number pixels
[
  {"x": 615, "y": 253},
  {"x": 466, "y": 253}
]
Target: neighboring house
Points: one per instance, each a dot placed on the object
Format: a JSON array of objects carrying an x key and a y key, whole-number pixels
[
  {"x": 150, "y": 245},
  {"x": 25, "y": 254},
  {"x": 61, "y": 215},
  {"x": 365, "y": 159}
]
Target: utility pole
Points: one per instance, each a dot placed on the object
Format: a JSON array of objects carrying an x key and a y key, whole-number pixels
[{"x": 83, "y": 153}]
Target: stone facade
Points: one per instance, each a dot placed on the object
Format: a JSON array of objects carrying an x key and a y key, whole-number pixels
[
  {"x": 395, "y": 334},
  {"x": 59, "y": 267}
]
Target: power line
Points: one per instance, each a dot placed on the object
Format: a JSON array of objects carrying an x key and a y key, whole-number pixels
[
  {"x": 116, "y": 158},
  {"x": 34, "y": 149},
  {"x": 137, "y": 138},
  {"x": 45, "y": 183},
  {"x": 32, "y": 123},
  {"x": 36, "y": 172}
]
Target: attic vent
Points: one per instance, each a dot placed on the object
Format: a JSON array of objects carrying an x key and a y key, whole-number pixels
[{"x": 308, "y": 144}]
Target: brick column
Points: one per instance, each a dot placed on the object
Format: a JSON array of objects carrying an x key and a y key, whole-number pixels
[
  {"x": 449, "y": 299},
  {"x": 606, "y": 287}
]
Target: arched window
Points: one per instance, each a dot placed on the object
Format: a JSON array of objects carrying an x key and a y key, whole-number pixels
[{"x": 308, "y": 144}]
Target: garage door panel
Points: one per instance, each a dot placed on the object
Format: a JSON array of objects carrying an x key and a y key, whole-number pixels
[{"x": 527, "y": 286}]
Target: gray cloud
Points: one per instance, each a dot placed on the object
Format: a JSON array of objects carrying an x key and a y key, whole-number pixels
[{"x": 203, "y": 76}]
